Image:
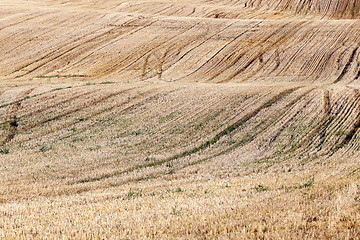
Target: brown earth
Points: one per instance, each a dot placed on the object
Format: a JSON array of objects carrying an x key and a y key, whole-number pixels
[{"x": 179, "y": 120}]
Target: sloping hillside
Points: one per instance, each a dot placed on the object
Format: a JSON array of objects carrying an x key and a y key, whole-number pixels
[
  {"x": 130, "y": 46},
  {"x": 168, "y": 119}
]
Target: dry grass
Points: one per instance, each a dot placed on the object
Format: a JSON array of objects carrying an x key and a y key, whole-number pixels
[{"x": 168, "y": 120}]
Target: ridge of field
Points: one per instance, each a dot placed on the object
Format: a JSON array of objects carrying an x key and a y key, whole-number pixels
[
  {"x": 337, "y": 9},
  {"x": 179, "y": 120}
]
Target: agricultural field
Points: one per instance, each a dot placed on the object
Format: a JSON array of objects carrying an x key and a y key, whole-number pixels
[{"x": 193, "y": 119}]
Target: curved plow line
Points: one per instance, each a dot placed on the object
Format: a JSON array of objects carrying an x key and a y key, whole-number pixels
[
  {"x": 345, "y": 140},
  {"x": 42, "y": 134},
  {"x": 163, "y": 9},
  {"x": 37, "y": 95},
  {"x": 100, "y": 39},
  {"x": 347, "y": 65},
  {"x": 191, "y": 117},
  {"x": 26, "y": 42},
  {"x": 318, "y": 154},
  {"x": 251, "y": 59},
  {"x": 313, "y": 133},
  {"x": 160, "y": 173},
  {"x": 307, "y": 137},
  {"x": 51, "y": 106},
  {"x": 122, "y": 36},
  {"x": 76, "y": 109},
  {"x": 247, "y": 103},
  {"x": 335, "y": 45},
  {"x": 203, "y": 146},
  {"x": 25, "y": 20},
  {"x": 353, "y": 130},
  {"x": 56, "y": 52},
  {"x": 310, "y": 67},
  {"x": 304, "y": 44},
  {"x": 326, "y": 127},
  {"x": 53, "y": 27},
  {"x": 280, "y": 40},
  {"x": 183, "y": 45},
  {"x": 332, "y": 124},
  {"x": 91, "y": 116},
  {"x": 347, "y": 111},
  {"x": 147, "y": 51},
  {"x": 288, "y": 112},
  {"x": 115, "y": 38},
  {"x": 220, "y": 50},
  {"x": 248, "y": 139},
  {"x": 128, "y": 108}
]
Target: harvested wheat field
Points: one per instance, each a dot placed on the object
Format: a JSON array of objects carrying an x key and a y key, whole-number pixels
[{"x": 194, "y": 119}]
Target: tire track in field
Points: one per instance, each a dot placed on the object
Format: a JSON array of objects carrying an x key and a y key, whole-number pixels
[
  {"x": 147, "y": 48},
  {"x": 178, "y": 60},
  {"x": 173, "y": 52},
  {"x": 13, "y": 123},
  {"x": 339, "y": 142},
  {"x": 347, "y": 65},
  {"x": 357, "y": 76},
  {"x": 327, "y": 119},
  {"x": 320, "y": 142}
]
